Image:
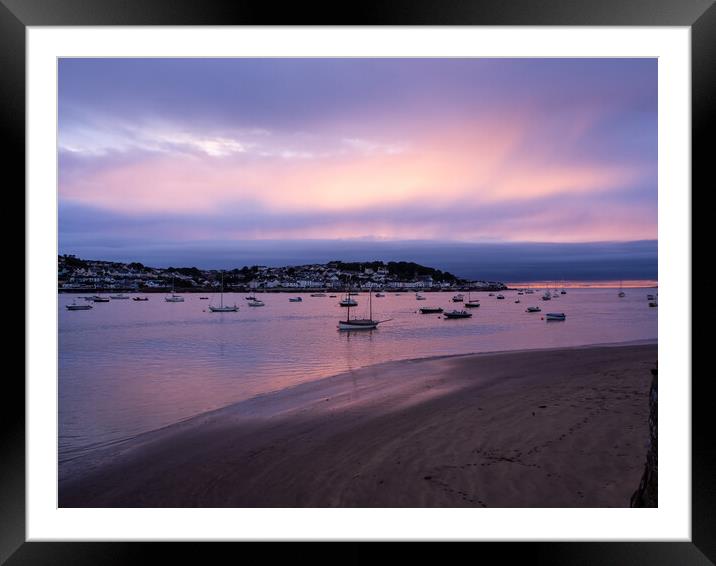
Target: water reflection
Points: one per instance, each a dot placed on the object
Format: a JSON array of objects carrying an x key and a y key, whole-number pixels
[{"x": 126, "y": 367}]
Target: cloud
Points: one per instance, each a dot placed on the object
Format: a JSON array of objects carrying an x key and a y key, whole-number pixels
[{"x": 459, "y": 149}]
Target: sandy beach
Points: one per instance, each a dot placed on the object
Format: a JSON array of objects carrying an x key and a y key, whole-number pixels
[{"x": 538, "y": 428}]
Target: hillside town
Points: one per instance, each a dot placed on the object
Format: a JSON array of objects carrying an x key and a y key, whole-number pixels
[{"x": 80, "y": 275}]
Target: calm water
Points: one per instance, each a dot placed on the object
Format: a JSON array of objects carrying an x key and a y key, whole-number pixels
[{"x": 126, "y": 367}]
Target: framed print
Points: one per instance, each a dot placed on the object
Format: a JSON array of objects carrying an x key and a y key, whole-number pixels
[{"x": 422, "y": 275}]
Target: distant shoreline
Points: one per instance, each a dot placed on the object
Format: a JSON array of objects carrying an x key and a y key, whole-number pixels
[{"x": 194, "y": 290}]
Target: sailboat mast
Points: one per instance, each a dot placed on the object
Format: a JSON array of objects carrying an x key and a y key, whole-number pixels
[
  {"x": 370, "y": 303},
  {"x": 222, "y": 289}
]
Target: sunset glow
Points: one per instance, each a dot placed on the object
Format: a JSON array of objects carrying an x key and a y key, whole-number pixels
[{"x": 464, "y": 150}]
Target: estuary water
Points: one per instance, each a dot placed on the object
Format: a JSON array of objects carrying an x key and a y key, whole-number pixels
[{"x": 127, "y": 367}]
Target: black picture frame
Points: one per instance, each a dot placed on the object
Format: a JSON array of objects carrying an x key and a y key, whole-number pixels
[{"x": 699, "y": 15}]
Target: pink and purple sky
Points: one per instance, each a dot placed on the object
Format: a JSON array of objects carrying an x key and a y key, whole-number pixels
[{"x": 222, "y": 162}]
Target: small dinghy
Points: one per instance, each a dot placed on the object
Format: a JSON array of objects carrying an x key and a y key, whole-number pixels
[
  {"x": 75, "y": 307},
  {"x": 295, "y": 300},
  {"x": 140, "y": 298},
  {"x": 533, "y": 309}
]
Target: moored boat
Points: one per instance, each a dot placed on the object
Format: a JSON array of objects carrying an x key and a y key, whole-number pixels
[
  {"x": 119, "y": 297},
  {"x": 295, "y": 300},
  {"x": 75, "y": 307},
  {"x": 555, "y": 316},
  {"x": 360, "y": 323},
  {"x": 222, "y": 307},
  {"x": 140, "y": 298},
  {"x": 430, "y": 310},
  {"x": 174, "y": 298},
  {"x": 457, "y": 314},
  {"x": 533, "y": 309}
]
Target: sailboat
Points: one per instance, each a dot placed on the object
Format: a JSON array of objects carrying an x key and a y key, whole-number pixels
[
  {"x": 470, "y": 303},
  {"x": 360, "y": 323},
  {"x": 223, "y": 308},
  {"x": 621, "y": 291},
  {"x": 174, "y": 298}
]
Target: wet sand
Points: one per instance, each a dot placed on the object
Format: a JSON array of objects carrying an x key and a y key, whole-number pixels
[{"x": 542, "y": 428}]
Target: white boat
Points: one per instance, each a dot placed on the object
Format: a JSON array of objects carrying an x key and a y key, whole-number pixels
[
  {"x": 140, "y": 298},
  {"x": 380, "y": 294},
  {"x": 529, "y": 292},
  {"x": 500, "y": 296},
  {"x": 533, "y": 309},
  {"x": 360, "y": 323},
  {"x": 318, "y": 295},
  {"x": 348, "y": 301},
  {"x": 119, "y": 297},
  {"x": 100, "y": 299},
  {"x": 459, "y": 298},
  {"x": 546, "y": 296},
  {"x": 295, "y": 300},
  {"x": 174, "y": 298},
  {"x": 419, "y": 297},
  {"x": 256, "y": 303},
  {"x": 555, "y": 316},
  {"x": 517, "y": 300},
  {"x": 75, "y": 307},
  {"x": 221, "y": 307}
]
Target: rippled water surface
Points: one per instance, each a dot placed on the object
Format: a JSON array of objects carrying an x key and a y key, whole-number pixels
[{"x": 126, "y": 367}]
